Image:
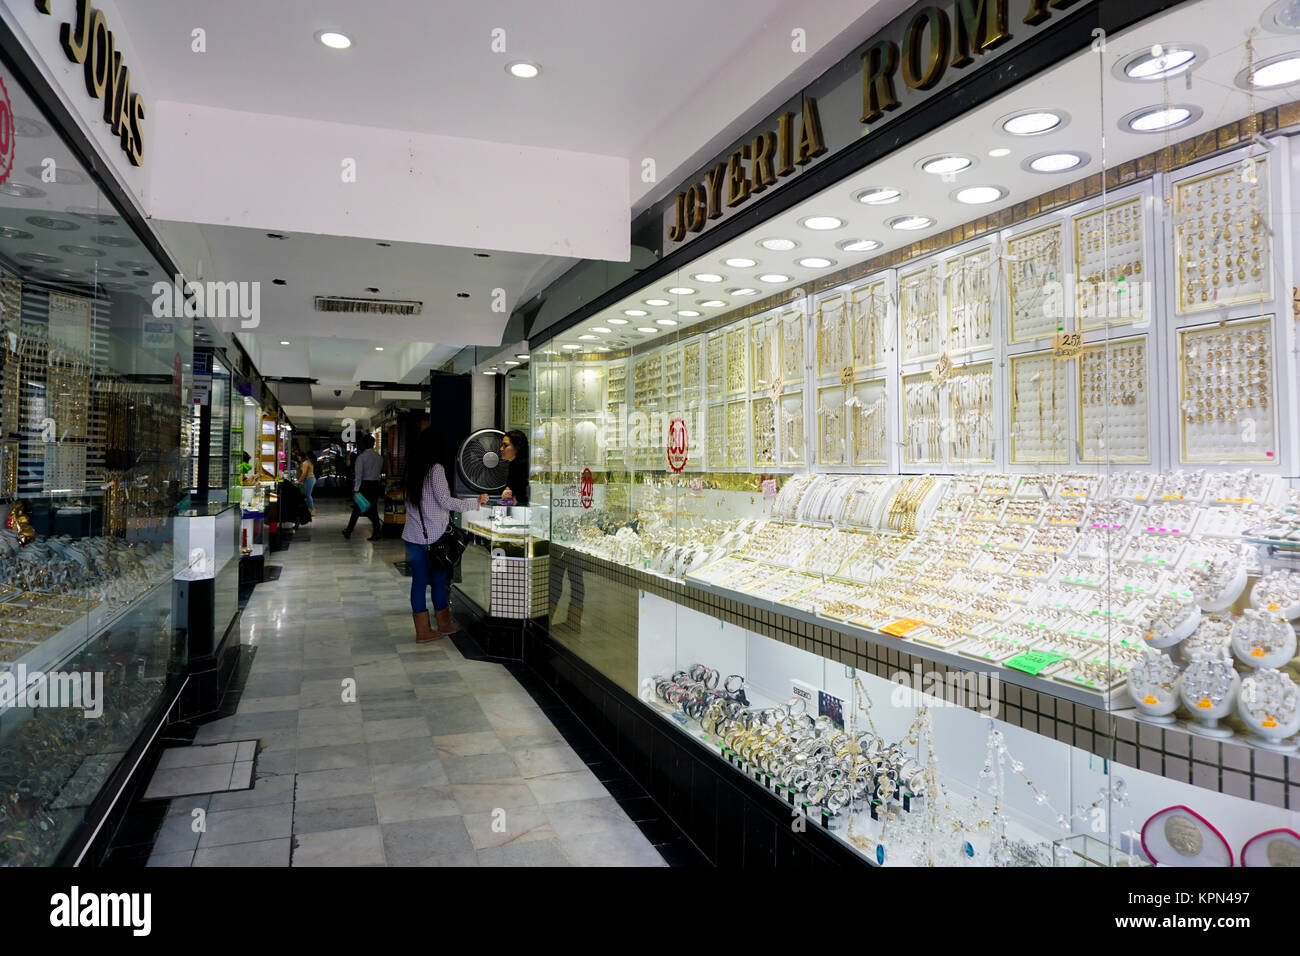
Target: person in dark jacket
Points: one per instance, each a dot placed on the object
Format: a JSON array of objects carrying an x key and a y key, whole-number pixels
[{"x": 514, "y": 450}]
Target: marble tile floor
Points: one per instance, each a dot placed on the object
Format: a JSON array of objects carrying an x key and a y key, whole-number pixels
[{"x": 377, "y": 751}]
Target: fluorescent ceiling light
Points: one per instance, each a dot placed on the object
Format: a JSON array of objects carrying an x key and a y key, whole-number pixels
[
  {"x": 284, "y": 341},
  {"x": 648, "y": 330},
  {"x": 522, "y": 357},
  {"x": 743, "y": 291},
  {"x": 601, "y": 329},
  {"x": 999, "y": 151},
  {"x": 665, "y": 322},
  {"x": 571, "y": 348},
  {"x": 511, "y": 362},
  {"x": 1283, "y": 70},
  {"x": 712, "y": 303},
  {"x": 379, "y": 348},
  {"x": 687, "y": 313},
  {"x": 618, "y": 321},
  {"x": 740, "y": 262},
  {"x": 586, "y": 337}
]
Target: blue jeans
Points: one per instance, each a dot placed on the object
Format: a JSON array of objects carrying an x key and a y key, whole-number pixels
[
  {"x": 308, "y": 485},
  {"x": 422, "y": 576}
]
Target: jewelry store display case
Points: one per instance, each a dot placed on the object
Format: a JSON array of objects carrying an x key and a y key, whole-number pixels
[
  {"x": 974, "y": 550},
  {"x": 505, "y": 573},
  {"x": 96, "y": 445}
]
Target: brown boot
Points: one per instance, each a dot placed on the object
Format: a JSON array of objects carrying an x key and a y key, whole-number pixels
[
  {"x": 445, "y": 624},
  {"x": 423, "y": 633}
]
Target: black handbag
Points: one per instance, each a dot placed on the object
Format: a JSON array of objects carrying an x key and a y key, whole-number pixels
[{"x": 444, "y": 554}]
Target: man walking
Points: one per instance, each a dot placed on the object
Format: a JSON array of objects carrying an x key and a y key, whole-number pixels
[{"x": 365, "y": 481}]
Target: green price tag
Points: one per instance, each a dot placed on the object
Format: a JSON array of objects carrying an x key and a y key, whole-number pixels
[{"x": 1032, "y": 662}]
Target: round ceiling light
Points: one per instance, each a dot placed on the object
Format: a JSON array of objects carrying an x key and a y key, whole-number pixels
[
  {"x": 523, "y": 357},
  {"x": 379, "y": 348},
  {"x": 879, "y": 195},
  {"x": 999, "y": 151},
  {"x": 22, "y": 191},
  {"x": 570, "y": 348},
  {"x": 821, "y": 223},
  {"x": 511, "y": 362},
  {"x": 858, "y": 245},
  {"x": 586, "y": 337},
  {"x": 707, "y": 277},
  {"x": 647, "y": 329},
  {"x": 687, "y": 313},
  {"x": 1032, "y": 122},
  {"x": 334, "y": 40},
  {"x": 743, "y": 291},
  {"x": 777, "y": 244},
  {"x": 712, "y": 303},
  {"x": 523, "y": 69},
  {"x": 1054, "y": 162},
  {"x": 1157, "y": 119},
  {"x": 1159, "y": 62},
  {"x": 911, "y": 223},
  {"x": 946, "y": 164},
  {"x": 665, "y": 322},
  {"x": 635, "y": 313},
  {"x": 284, "y": 341},
  {"x": 656, "y": 302},
  {"x": 1281, "y": 70},
  {"x": 740, "y": 262},
  {"x": 773, "y": 277},
  {"x": 613, "y": 321},
  {"x": 678, "y": 290},
  {"x": 1282, "y": 17},
  {"x": 601, "y": 329},
  {"x": 979, "y": 195},
  {"x": 815, "y": 262}
]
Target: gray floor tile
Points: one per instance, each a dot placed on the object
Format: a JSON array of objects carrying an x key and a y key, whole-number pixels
[
  {"x": 420, "y": 804},
  {"x": 623, "y": 845},
  {"x": 339, "y": 813},
  {"x": 399, "y": 729},
  {"x": 247, "y": 825},
  {"x": 575, "y": 817},
  {"x": 563, "y": 787},
  {"x": 536, "y": 762},
  {"x": 185, "y": 780},
  {"x": 332, "y": 758},
  {"x": 501, "y": 827},
  {"x": 198, "y": 756},
  {"x": 358, "y": 846},
  {"x": 177, "y": 834},
  {"x": 269, "y": 853},
  {"x": 265, "y": 792},
  {"x": 324, "y": 784},
  {"x": 335, "y": 736},
  {"x": 404, "y": 750},
  {"x": 181, "y": 858},
  {"x": 485, "y": 797},
  {"x": 441, "y": 842},
  {"x": 407, "y": 776},
  {"x": 481, "y": 768},
  {"x": 539, "y": 853}
]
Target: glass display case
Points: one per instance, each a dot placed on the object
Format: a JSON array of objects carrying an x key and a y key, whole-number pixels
[
  {"x": 95, "y": 441},
  {"x": 974, "y": 548},
  {"x": 208, "y": 459}
]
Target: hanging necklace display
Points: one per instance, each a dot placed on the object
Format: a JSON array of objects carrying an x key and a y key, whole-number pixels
[
  {"x": 763, "y": 414},
  {"x": 970, "y": 394},
  {"x": 715, "y": 436},
  {"x": 919, "y": 315},
  {"x": 736, "y": 434},
  {"x": 869, "y": 422},
  {"x": 792, "y": 346},
  {"x": 765, "y": 361},
  {"x": 792, "y": 428},
  {"x": 1109, "y": 261},
  {"x": 1221, "y": 237},
  {"x": 1269, "y": 703},
  {"x": 832, "y": 427},
  {"x": 1033, "y": 261},
  {"x": 970, "y": 301},
  {"x": 1279, "y": 847},
  {"x": 1208, "y": 689},
  {"x": 1153, "y": 686},
  {"x": 870, "y": 320},
  {"x": 1113, "y": 401},
  {"x": 834, "y": 335},
  {"x": 1263, "y": 639},
  {"x": 921, "y": 425},
  {"x": 735, "y": 350},
  {"x": 1179, "y": 836}
]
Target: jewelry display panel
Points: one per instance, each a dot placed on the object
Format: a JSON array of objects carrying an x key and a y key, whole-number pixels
[
  {"x": 69, "y": 324},
  {"x": 870, "y": 423},
  {"x": 870, "y": 307},
  {"x": 716, "y": 369},
  {"x": 833, "y": 436},
  {"x": 1221, "y": 237},
  {"x": 919, "y": 314},
  {"x": 587, "y": 390},
  {"x": 1034, "y": 260},
  {"x": 672, "y": 374},
  {"x": 792, "y": 430},
  {"x": 792, "y": 346},
  {"x": 766, "y": 366},
  {"x": 736, "y": 359},
  {"x": 970, "y": 394},
  {"x": 1110, "y": 265},
  {"x": 970, "y": 300},
  {"x": 715, "y": 436},
  {"x": 1039, "y": 409},
  {"x": 737, "y": 434},
  {"x": 922, "y": 420},
  {"x": 1227, "y": 394},
  {"x": 834, "y": 335},
  {"x": 763, "y": 411},
  {"x": 691, "y": 363},
  {"x": 1113, "y": 397}
]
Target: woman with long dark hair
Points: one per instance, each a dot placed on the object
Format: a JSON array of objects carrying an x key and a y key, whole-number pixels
[
  {"x": 428, "y": 506},
  {"x": 514, "y": 450}
]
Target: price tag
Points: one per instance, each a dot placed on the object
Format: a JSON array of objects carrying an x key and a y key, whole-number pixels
[
  {"x": 900, "y": 628},
  {"x": 1067, "y": 346},
  {"x": 942, "y": 370},
  {"x": 769, "y": 487},
  {"x": 846, "y": 376},
  {"x": 1033, "y": 662}
]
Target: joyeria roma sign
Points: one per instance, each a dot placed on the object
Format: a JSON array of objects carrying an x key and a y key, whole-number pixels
[{"x": 679, "y": 444}]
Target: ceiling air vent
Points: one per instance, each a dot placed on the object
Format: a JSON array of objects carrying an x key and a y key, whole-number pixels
[{"x": 341, "y": 303}]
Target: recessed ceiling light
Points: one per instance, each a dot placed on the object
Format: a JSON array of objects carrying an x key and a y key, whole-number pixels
[
  {"x": 1282, "y": 17},
  {"x": 601, "y": 329},
  {"x": 523, "y": 69},
  {"x": 656, "y": 302},
  {"x": 687, "y": 313},
  {"x": 1055, "y": 162},
  {"x": 511, "y": 362},
  {"x": 522, "y": 356},
  {"x": 665, "y": 322},
  {"x": 1281, "y": 70},
  {"x": 712, "y": 303},
  {"x": 379, "y": 348},
  {"x": 570, "y": 347},
  {"x": 635, "y": 313},
  {"x": 815, "y": 262},
  {"x": 774, "y": 277},
  {"x": 678, "y": 290},
  {"x": 1157, "y": 119},
  {"x": 743, "y": 291},
  {"x": 1158, "y": 62},
  {"x": 777, "y": 244},
  {"x": 615, "y": 321},
  {"x": 946, "y": 164},
  {"x": 821, "y": 223},
  {"x": 910, "y": 223},
  {"x": 879, "y": 195},
  {"x": 604, "y": 348},
  {"x": 333, "y": 40},
  {"x": 586, "y": 337},
  {"x": 858, "y": 245},
  {"x": 740, "y": 262},
  {"x": 999, "y": 151},
  {"x": 488, "y": 371},
  {"x": 979, "y": 195},
  {"x": 22, "y": 191},
  {"x": 284, "y": 341},
  {"x": 707, "y": 277},
  {"x": 647, "y": 330},
  {"x": 1031, "y": 122}
]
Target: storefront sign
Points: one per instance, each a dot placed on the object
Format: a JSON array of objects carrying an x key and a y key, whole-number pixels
[
  {"x": 679, "y": 444},
  {"x": 6, "y": 134},
  {"x": 913, "y": 58},
  {"x": 587, "y": 492},
  {"x": 88, "y": 41}
]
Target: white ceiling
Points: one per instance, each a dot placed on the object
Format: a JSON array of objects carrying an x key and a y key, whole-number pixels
[{"x": 1073, "y": 86}]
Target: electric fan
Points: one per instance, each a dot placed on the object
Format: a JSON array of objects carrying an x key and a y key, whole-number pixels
[{"x": 480, "y": 463}]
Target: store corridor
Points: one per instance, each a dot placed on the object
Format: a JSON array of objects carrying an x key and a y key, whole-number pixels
[{"x": 440, "y": 761}]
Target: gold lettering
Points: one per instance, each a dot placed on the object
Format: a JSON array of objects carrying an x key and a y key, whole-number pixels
[
  {"x": 136, "y": 152},
  {"x": 761, "y": 173},
  {"x": 1038, "y": 12},
  {"x": 100, "y": 57},
  {"x": 677, "y": 232},
  {"x": 785, "y": 144},
  {"x": 981, "y": 25},
  {"x": 737, "y": 181},
  {"x": 935, "y": 57},
  {"x": 42, "y": 6},
  {"x": 879, "y": 63},
  {"x": 695, "y": 207},
  {"x": 120, "y": 115},
  {"x": 76, "y": 41},
  {"x": 810, "y": 134},
  {"x": 716, "y": 177}
]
